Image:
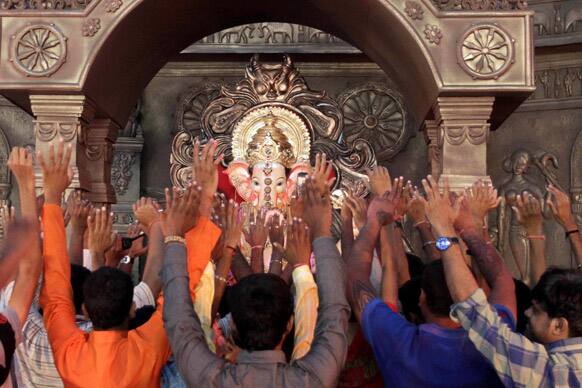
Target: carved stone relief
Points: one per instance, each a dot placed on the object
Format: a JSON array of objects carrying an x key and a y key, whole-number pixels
[
  {"x": 272, "y": 36},
  {"x": 189, "y": 114},
  {"x": 563, "y": 82},
  {"x": 414, "y": 10},
  {"x": 5, "y": 186},
  {"x": 433, "y": 34},
  {"x": 557, "y": 19},
  {"x": 576, "y": 178},
  {"x": 38, "y": 50},
  {"x": 485, "y": 51},
  {"x": 90, "y": 27},
  {"x": 44, "y": 4},
  {"x": 113, "y": 5},
  {"x": 121, "y": 171},
  {"x": 480, "y": 5},
  {"x": 376, "y": 114}
]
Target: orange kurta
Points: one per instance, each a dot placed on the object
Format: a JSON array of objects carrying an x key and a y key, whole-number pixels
[{"x": 101, "y": 358}]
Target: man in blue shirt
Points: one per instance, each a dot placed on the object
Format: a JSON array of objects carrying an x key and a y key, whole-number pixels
[{"x": 435, "y": 354}]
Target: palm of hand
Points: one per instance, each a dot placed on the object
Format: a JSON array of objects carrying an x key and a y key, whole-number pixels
[{"x": 382, "y": 210}]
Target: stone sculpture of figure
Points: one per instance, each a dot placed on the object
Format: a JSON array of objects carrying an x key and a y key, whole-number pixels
[{"x": 518, "y": 164}]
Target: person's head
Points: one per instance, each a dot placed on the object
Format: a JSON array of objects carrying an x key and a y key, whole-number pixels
[
  {"x": 435, "y": 299},
  {"x": 79, "y": 275},
  {"x": 262, "y": 309},
  {"x": 409, "y": 296},
  {"x": 518, "y": 163},
  {"x": 108, "y": 294},
  {"x": 556, "y": 311},
  {"x": 415, "y": 265}
]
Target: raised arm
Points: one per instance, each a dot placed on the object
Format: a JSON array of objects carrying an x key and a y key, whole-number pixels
[
  {"x": 487, "y": 259},
  {"x": 442, "y": 216},
  {"x": 29, "y": 266},
  {"x": 561, "y": 208},
  {"x": 380, "y": 212},
  {"x": 256, "y": 236},
  {"x": 328, "y": 352},
  {"x": 56, "y": 298},
  {"x": 528, "y": 212},
  {"x": 277, "y": 238},
  {"x": 78, "y": 210},
  {"x": 389, "y": 273},
  {"x": 100, "y": 227},
  {"x": 195, "y": 361}
]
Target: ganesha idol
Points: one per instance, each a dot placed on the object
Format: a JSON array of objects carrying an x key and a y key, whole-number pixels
[{"x": 266, "y": 144}]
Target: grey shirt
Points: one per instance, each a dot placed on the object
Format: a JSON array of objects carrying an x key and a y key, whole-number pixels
[{"x": 202, "y": 368}]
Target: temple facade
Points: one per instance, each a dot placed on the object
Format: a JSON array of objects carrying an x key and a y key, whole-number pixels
[{"x": 465, "y": 89}]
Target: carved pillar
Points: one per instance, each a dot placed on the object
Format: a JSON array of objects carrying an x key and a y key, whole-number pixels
[
  {"x": 63, "y": 117},
  {"x": 463, "y": 130},
  {"x": 431, "y": 131},
  {"x": 125, "y": 178},
  {"x": 100, "y": 137}
]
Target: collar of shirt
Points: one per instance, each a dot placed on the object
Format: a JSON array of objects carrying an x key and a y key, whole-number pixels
[
  {"x": 569, "y": 346},
  {"x": 261, "y": 357},
  {"x": 107, "y": 336}
]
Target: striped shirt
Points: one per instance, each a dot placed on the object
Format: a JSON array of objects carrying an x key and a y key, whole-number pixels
[{"x": 518, "y": 361}]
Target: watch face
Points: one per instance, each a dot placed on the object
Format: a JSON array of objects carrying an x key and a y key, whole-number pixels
[{"x": 443, "y": 243}]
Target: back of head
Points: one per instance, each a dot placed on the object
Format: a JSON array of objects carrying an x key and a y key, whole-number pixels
[
  {"x": 415, "y": 265},
  {"x": 108, "y": 294},
  {"x": 79, "y": 275},
  {"x": 409, "y": 296},
  {"x": 261, "y": 309},
  {"x": 434, "y": 285},
  {"x": 559, "y": 293}
]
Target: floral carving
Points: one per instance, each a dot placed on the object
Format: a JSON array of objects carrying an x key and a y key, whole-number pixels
[
  {"x": 39, "y": 50},
  {"x": 480, "y": 5},
  {"x": 113, "y": 5},
  {"x": 91, "y": 26},
  {"x": 121, "y": 173},
  {"x": 44, "y": 4},
  {"x": 414, "y": 10},
  {"x": 189, "y": 115},
  {"x": 377, "y": 115},
  {"x": 433, "y": 34},
  {"x": 485, "y": 51}
]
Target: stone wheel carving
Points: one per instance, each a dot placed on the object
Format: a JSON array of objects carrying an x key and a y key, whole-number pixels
[
  {"x": 485, "y": 51},
  {"x": 39, "y": 50},
  {"x": 190, "y": 110},
  {"x": 377, "y": 115}
]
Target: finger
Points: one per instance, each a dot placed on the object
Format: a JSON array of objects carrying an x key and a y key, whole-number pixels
[
  {"x": 517, "y": 214},
  {"x": 169, "y": 204},
  {"x": 428, "y": 190},
  {"x": 552, "y": 206},
  {"x": 60, "y": 153},
  {"x": 196, "y": 153},
  {"x": 317, "y": 162},
  {"x": 52, "y": 155},
  {"x": 67, "y": 157}
]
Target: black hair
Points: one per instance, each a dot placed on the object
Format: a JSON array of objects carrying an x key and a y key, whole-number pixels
[
  {"x": 262, "y": 310},
  {"x": 434, "y": 285},
  {"x": 415, "y": 265},
  {"x": 142, "y": 315},
  {"x": 523, "y": 298},
  {"x": 409, "y": 296},
  {"x": 79, "y": 275},
  {"x": 559, "y": 293},
  {"x": 108, "y": 296}
]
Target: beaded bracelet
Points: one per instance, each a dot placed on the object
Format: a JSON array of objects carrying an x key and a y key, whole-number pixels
[
  {"x": 178, "y": 239},
  {"x": 220, "y": 278}
]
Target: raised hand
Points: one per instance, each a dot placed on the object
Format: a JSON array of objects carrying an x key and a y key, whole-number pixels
[
  {"x": 146, "y": 212},
  {"x": 20, "y": 163},
  {"x": 276, "y": 231},
  {"x": 101, "y": 237},
  {"x": 528, "y": 212},
  {"x": 258, "y": 231},
  {"x": 383, "y": 209},
  {"x": 480, "y": 199},
  {"x": 317, "y": 209},
  {"x": 416, "y": 210},
  {"x": 56, "y": 172},
  {"x": 357, "y": 207},
  {"x": 561, "y": 207},
  {"x": 321, "y": 173},
  {"x": 379, "y": 180},
  {"x": 296, "y": 203},
  {"x": 440, "y": 213},
  {"x": 205, "y": 172},
  {"x": 233, "y": 227},
  {"x": 298, "y": 251},
  {"x": 137, "y": 246},
  {"x": 404, "y": 201},
  {"x": 182, "y": 211},
  {"x": 79, "y": 209}
]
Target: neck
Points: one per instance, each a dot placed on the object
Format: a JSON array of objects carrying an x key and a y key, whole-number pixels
[{"x": 444, "y": 322}]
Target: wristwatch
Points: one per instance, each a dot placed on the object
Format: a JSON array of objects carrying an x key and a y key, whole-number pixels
[
  {"x": 443, "y": 243},
  {"x": 127, "y": 259}
]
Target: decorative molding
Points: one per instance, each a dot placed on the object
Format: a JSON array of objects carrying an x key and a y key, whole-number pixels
[
  {"x": 38, "y": 50},
  {"x": 480, "y": 5},
  {"x": 485, "y": 51},
  {"x": 414, "y": 10},
  {"x": 377, "y": 114},
  {"x": 113, "y": 5},
  {"x": 19, "y": 5},
  {"x": 121, "y": 171},
  {"x": 558, "y": 22},
  {"x": 90, "y": 27},
  {"x": 433, "y": 34},
  {"x": 270, "y": 37},
  {"x": 558, "y": 83}
]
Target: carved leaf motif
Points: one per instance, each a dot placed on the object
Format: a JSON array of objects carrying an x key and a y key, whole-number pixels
[{"x": 121, "y": 173}]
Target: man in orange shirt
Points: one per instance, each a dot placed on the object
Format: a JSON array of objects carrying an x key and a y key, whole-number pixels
[{"x": 111, "y": 355}]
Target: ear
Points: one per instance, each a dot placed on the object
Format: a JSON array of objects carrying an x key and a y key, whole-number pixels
[
  {"x": 422, "y": 297},
  {"x": 85, "y": 312},
  {"x": 132, "y": 311},
  {"x": 560, "y": 328}
]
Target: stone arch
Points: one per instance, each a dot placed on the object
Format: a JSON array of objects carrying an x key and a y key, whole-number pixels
[{"x": 150, "y": 32}]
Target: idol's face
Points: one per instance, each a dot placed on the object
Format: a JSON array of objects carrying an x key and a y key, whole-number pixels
[{"x": 269, "y": 182}]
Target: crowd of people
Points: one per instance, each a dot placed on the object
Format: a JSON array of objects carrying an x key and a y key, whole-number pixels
[{"x": 207, "y": 310}]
